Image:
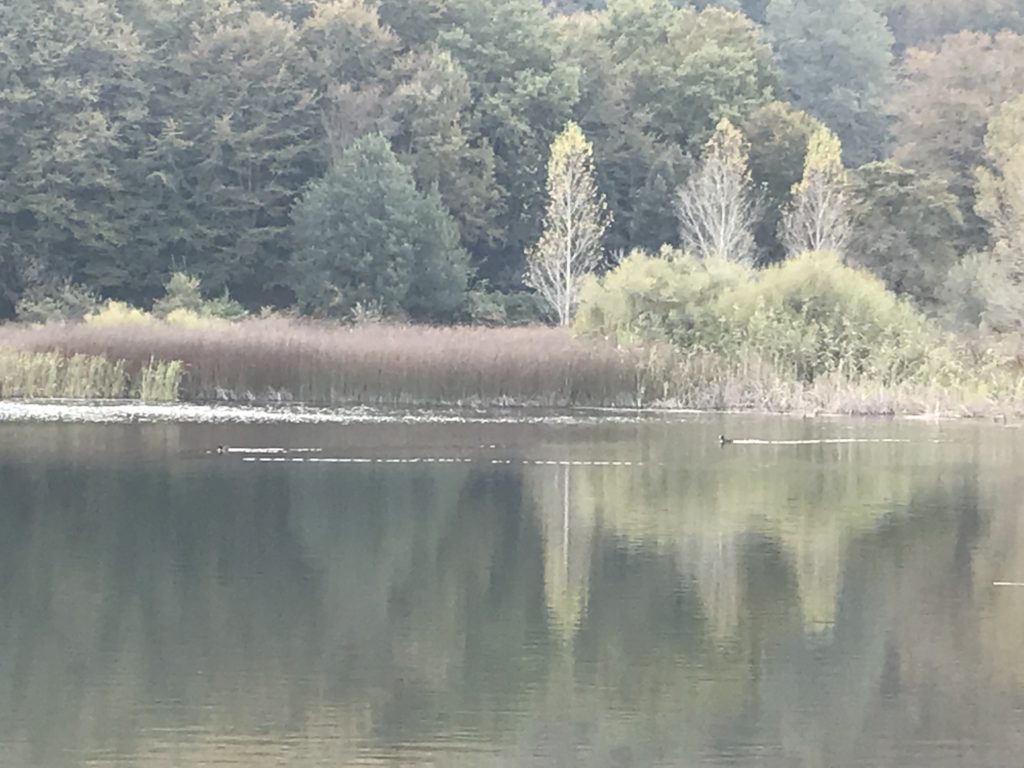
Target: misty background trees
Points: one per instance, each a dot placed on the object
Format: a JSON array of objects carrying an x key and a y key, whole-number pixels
[{"x": 320, "y": 155}]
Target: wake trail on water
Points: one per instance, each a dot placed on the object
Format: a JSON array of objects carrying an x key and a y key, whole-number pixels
[{"x": 819, "y": 441}]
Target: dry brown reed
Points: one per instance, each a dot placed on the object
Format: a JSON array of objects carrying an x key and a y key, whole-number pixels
[
  {"x": 285, "y": 360},
  {"x": 275, "y": 360}
]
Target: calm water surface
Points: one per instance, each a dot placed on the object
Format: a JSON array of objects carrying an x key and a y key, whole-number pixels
[{"x": 533, "y": 603}]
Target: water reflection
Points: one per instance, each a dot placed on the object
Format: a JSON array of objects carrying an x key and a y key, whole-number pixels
[{"x": 825, "y": 606}]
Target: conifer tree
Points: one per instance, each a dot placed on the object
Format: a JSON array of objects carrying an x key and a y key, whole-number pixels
[
  {"x": 574, "y": 225},
  {"x": 365, "y": 235}
]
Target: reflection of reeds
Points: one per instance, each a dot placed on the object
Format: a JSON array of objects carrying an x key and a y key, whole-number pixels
[{"x": 275, "y": 359}]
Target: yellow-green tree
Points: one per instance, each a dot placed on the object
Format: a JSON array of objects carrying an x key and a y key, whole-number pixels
[
  {"x": 718, "y": 207},
  {"x": 1000, "y": 202},
  {"x": 818, "y": 217},
  {"x": 575, "y": 223}
]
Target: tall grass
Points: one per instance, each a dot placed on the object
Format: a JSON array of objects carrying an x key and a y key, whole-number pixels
[
  {"x": 282, "y": 360},
  {"x": 53, "y": 374},
  {"x": 160, "y": 380}
]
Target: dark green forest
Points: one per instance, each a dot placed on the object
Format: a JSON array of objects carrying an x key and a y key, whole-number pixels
[{"x": 279, "y": 149}]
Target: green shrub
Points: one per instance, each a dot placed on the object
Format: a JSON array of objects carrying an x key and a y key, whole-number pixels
[
  {"x": 69, "y": 303},
  {"x": 187, "y": 318},
  {"x": 814, "y": 316},
  {"x": 808, "y": 317},
  {"x": 484, "y": 307},
  {"x": 116, "y": 313},
  {"x": 224, "y": 307},
  {"x": 670, "y": 297},
  {"x": 497, "y": 308},
  {"x": 183, "y": 292},
  {"x": 962, "y": 296}
]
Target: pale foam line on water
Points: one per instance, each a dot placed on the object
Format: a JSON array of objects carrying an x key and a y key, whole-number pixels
[
  {"x": 1008, "y": 583},
  {"x": 94, "y": 412}
]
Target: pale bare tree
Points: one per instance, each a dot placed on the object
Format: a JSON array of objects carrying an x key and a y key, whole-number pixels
[
  {"x": 718, "y": 207},
  {"x": 574, "y": 225},
  {"x": 819, "y": 215}
]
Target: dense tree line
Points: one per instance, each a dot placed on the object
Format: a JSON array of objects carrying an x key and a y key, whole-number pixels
[{"x": 323, "y": 154}]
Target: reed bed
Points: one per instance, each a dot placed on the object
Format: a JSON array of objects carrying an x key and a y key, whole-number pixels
[
  {"x": 56, "y": 374},
  {"x": 274, "y": 360}
]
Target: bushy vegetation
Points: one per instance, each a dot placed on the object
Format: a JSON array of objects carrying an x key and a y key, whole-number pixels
[
  {"x": 63, "y": 304},
  {"x": 813, "y": 316},
  {"x": 183, "y": 301},
  {"x": 117, "y": 314},
  {"x": 808, "y": 330},
  {"x": 181, "y": 305}
]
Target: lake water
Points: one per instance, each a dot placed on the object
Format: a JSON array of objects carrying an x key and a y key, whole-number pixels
[{"x": 580, "y": 593}]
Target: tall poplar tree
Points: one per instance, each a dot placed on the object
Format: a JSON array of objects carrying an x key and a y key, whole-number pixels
[
  {"x": 521, "y": 94},
  {"x": 718, "y": 205},
  {"x": 818, "y": 217},
  {"x": 574, "y": 225}
]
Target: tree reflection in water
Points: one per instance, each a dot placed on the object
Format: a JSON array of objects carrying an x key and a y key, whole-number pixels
[{"x": 823, "y": 607}]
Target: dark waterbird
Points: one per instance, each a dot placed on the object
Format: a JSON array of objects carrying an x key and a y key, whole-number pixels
[{"x": 723, "y": 440}]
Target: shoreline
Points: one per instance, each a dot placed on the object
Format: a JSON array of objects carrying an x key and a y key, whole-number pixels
[{"x": 273, "y": 370}]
